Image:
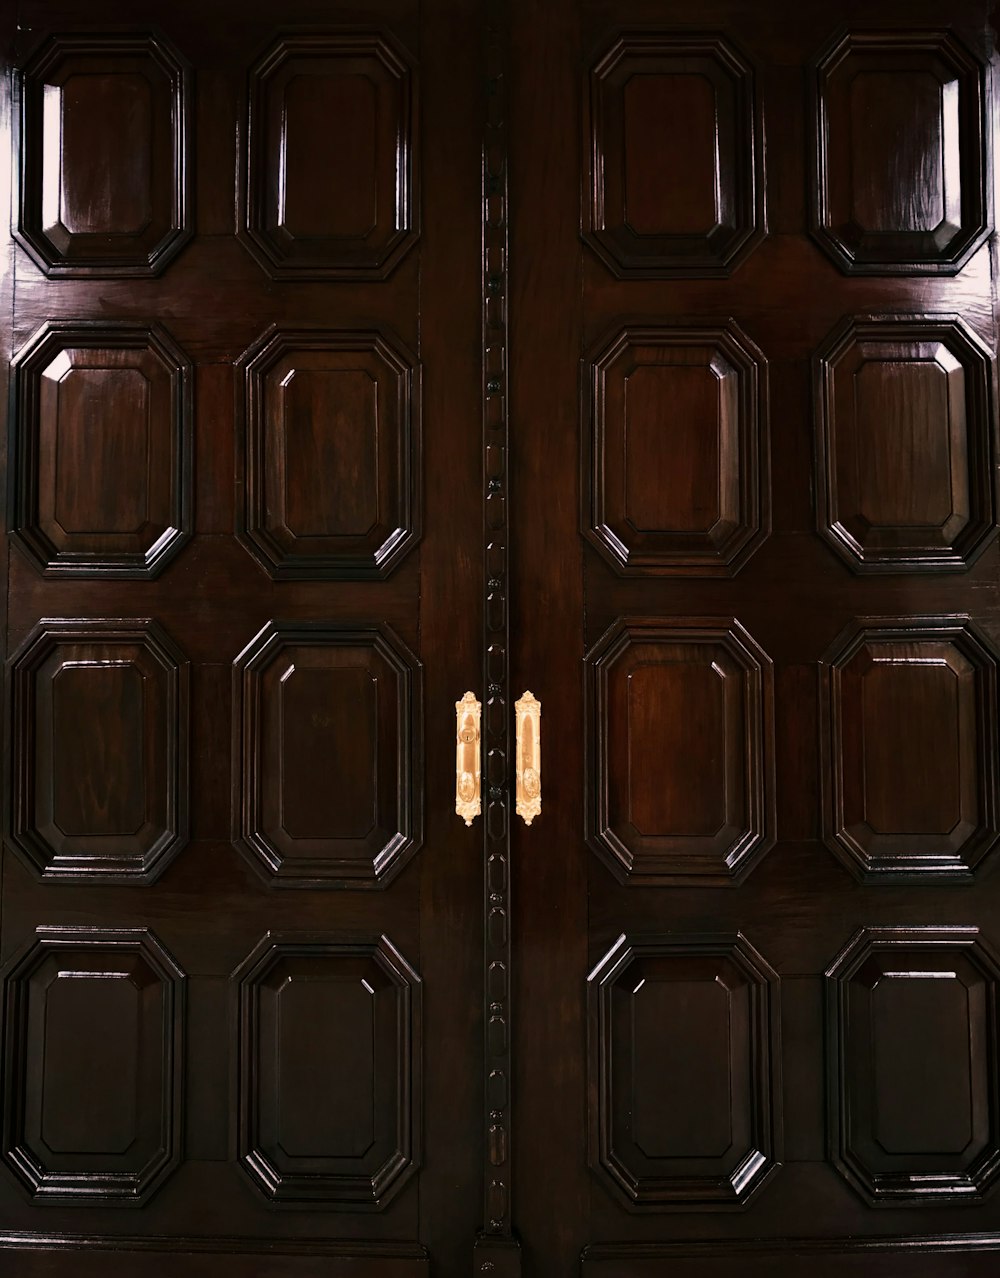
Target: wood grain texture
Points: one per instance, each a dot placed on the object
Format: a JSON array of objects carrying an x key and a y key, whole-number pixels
[
  {"x": 680, "y": 753},
  {"x": 329, "y": 1073},
  {"x": 330, "y": 189},
  {"x": 676, "y": 462},
  {"x": 909, "y": 754},
  {"x": 901, "y": 133},
  {"x": 101, "y": 449},
  {"x": 327, "y": 755},
  {"x": 685, "y": 1054},
  {"x": 911, "y": 1019},
  {"x": 210, "y": 906},
  {"x": 329, "y": 461},
  {"x": 104, "y": 134},
  {"x": 98, "y": 1013},
  {"x": 98, "y": 747},
  {"x": 905, "y": 447},
  {"x": 659, "y": 201}
]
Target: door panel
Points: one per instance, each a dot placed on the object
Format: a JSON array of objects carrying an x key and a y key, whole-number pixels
[
  {"x": 728, "y": 323},
  {"x": 242, "y": 986},
  {"x": 766, "y": 658}
]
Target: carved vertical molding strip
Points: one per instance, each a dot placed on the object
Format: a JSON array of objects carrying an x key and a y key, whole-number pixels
[{"x": 496, "y": 1252}]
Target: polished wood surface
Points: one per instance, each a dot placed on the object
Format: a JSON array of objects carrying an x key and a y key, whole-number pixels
[
  {"x": 781, "y": 893},
  {"x": 362, "y": 354},
  {"x": 242, "y": 989}
]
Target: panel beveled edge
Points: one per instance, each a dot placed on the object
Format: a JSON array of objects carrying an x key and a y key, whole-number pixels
[
  {"x": 621, "y": 249},
  {"x": 381, "y": 557},
  {"x": 27, "y": 367},
  {"x": 921, "y": 1189},
  {"x": 334, "y": 1191},
  {"x": 760, "y": 834},
  {"x": 959, "y": 630},
  {"x": 90, "y": 1188},
  {"x": 27, "y": 230},
  {"x": 20, "y": 733},
  {"x": 698, "y": 1193},
  {"x": 247, "y": 836},
  {"x": 977, "y": 166},
  {"x": 753, "y": 430},
  {"x": 980, "y": 411},
  {"x": 371, "y": 264}
]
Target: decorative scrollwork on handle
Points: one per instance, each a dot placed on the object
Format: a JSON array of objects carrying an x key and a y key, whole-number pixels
[
  {"x": 468, "y": 777},
  {"x": 528, "y": 715}
]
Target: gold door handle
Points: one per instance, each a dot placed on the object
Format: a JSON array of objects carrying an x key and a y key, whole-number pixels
[
  {"x": 528, "y": 713},
  {"x": 468, "y": 779}
]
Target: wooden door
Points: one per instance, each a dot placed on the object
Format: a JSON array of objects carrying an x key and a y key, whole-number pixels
[
  {"x": 241, "y": 942},
  {"x": 755, "y": 590}
]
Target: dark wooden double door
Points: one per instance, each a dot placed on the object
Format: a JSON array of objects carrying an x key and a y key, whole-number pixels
[{"x": 743, "y": 351}]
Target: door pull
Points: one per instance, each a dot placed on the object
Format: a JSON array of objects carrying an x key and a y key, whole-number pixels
[
  {"x": 468, "y": 776},
  {"x": 528, "y": 715}
]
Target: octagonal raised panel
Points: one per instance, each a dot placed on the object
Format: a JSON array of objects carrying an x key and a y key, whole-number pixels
[
  {"x": 912, "y": 1034},
  {"x": 101, "y": 449},
  {"x": 659, "y": 200},
  {"x": 677, "y": 465},
  {"x": 329, "y": 1073},
  {"x": 104, "y": 155},
  {"x": 98, "y": 750},
  {"x": 680, "y": 750},
  {"x": 93, "y": 1066},
  {"x": 902, "y": 182},
  {"x": 327, "y": 754},
  {"x": 905, "y": 452},
  {"x": 330, "y": 187},
  {"x": 330, "y": 457},
  {"x": 909, "y": 748},
  {"x": 684, "y": 1071}
]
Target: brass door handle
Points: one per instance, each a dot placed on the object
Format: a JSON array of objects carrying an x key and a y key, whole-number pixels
[
  {"x": 528, "y": 716},
  {"x": 468, "y": 778}
]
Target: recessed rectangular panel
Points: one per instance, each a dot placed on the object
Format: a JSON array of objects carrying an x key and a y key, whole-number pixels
[
  {"x": 329, "y": 188},
  {"x": 329, "y": 1071},
  {"x": 905, "y": 444},
  {"x": 102, "y": 435},
  {"x": 674, "y": 450},
  {"x": 329, "y": 451},
  {"x": 98, "y": 783},
  {"x": 923, "y": 1100},
  {"x": 899, "y": 123},
  {"x": 337, "y": 199},
  {"x": 912, "y": 1056},
  {"x": 97, "y": 155},
  {"x": 93, "y": 1028},
  {"x": 103, "y": 140},
  {"x": 676, "y": 776},
  {"x": 101, "y": 449},
  {"x": 671, "y": 174},
  {"x": 679, "y": 753},
  {"x": 912, "y": 783},
  {"x": 682, "y": 1090},
  {"x": 325, "y": 1082},
  {"x": 90, "y": 1031},
  {"x": 899, "y": 152},
  {"x": 673, "y": 184},
  {"x": 329, "y": 761},
  {"x": 910, "y": 753},
  {"x": 327, "y": 764},
  {"x": 676, "y": 468},
  {"x": 98, "y": 750}
]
